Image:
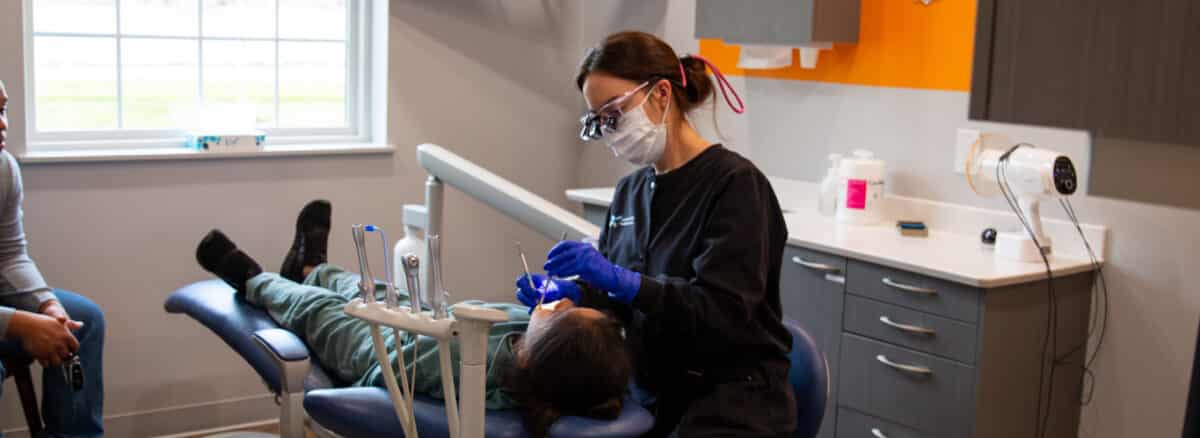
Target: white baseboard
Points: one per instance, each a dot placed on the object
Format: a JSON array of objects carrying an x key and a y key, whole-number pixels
[{"x": 214, "y": 416}]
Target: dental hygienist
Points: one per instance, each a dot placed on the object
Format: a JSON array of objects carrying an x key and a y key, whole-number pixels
[{"x": 691, "y": 253}]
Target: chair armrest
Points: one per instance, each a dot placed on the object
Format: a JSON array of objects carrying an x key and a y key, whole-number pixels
[{"x": 289, "y": 354}]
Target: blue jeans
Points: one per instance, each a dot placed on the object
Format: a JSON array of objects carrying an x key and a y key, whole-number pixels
[{"x": 68, "y": 413}]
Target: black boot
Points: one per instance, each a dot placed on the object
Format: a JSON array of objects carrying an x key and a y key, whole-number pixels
[
  {"x": 311, "y": 243},
  {"x": 218, "y": 255}
]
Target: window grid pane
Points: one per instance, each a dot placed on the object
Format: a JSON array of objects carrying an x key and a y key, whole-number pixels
[
  {"x": 312, "y": 85},
  {"x": 159, "y": 82},
  {"x": 160, "y": 18},
  {"x": 286, "y": 61},
  {"x": 76, "y": 83}
]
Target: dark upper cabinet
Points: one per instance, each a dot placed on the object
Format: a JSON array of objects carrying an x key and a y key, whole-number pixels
[
  {"x": 781, "y": 22},
  {"x": 1126, "y": 69}
]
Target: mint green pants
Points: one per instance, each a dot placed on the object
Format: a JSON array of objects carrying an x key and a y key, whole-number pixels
[{"x": 342, "y": 344}]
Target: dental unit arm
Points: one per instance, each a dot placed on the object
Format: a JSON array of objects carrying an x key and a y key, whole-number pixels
[
  {"x": 471, "y": 324},
  {"x": 531, "y": 210}
]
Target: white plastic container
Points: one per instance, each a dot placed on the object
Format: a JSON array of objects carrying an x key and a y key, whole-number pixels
[
  {"x": 827, "y": 198},
  {"x": 860, "y": 189},
  {"x": 411, "y": 243}
]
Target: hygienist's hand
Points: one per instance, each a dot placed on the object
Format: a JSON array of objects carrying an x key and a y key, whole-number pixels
[
  {"x": 45, "y": 338},
  {"x": 555, "y": 290},
  {"x": 569, "y": 258}
]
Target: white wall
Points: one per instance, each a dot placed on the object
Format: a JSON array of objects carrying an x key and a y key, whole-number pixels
[
  {"x": 1145, "y": 363},
  {"x": 487, "y": 79}
]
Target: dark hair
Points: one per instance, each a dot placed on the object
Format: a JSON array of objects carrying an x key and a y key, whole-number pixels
[
  {"x": 578, "y": 367},
  {"x": 640, "y": 57}
]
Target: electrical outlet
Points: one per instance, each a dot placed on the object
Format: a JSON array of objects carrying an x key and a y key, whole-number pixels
[{"x": 962, "y": 144}]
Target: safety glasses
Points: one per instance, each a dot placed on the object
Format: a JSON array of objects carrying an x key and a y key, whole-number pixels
[{"x": 597, "y": 122}]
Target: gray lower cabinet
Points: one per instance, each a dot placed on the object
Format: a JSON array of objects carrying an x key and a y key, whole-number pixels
[
  {"x": 915, "y": 356},
  {"x": 818, "y": 308}
]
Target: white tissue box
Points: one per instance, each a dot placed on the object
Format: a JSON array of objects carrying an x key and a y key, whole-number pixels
[{"x": 244, "y": 141}]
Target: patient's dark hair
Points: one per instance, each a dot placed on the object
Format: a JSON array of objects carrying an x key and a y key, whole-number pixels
[{"x": 579, "y": 366}]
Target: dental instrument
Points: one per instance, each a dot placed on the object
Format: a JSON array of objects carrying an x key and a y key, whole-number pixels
[
  {"x": 391, "y": 297},
  {"x": 392, "y": 301},
  {"x": 528, "y": 276},
  {"x": 412, "y": 265},
  {"x": 437, "y": 292},
  {"x": 366, "y": 283},
  {"x": 401, "y": 394}
]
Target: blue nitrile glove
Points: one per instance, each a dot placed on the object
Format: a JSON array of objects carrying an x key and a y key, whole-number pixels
[
  {"x": 555, "y": 290},
  {"x": 569, "y": 258}
]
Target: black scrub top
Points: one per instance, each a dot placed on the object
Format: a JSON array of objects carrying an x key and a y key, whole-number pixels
[{"x": 708, "y": 239}]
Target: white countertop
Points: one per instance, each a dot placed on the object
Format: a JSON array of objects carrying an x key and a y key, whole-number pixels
[{"x": 947, "y": 253}]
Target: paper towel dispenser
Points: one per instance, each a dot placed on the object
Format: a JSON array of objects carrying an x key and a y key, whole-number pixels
[{"x": 767, "y": 30}]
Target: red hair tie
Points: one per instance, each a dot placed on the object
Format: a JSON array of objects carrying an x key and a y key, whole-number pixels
[{"x": 722, "y": 82}]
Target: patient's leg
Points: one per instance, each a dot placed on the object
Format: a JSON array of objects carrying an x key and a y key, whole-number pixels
[
  {"x": 345, "y": 283},
  {"x": 340, "y": 342}
]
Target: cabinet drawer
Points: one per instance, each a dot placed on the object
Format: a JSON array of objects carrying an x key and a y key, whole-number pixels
[
  {"x": 809, "y": 262},
  {"x": 914, "y": 291},
  {"x": 907, "y": 387},
  {"x": 854, "y": 424},
  {"x": 910, "y": 328}
]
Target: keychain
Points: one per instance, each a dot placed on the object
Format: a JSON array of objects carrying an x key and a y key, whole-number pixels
[{"x": 72, "y": 371}]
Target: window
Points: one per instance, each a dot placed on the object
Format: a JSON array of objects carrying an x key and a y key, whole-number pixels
[{"x": 138, "y": 73}]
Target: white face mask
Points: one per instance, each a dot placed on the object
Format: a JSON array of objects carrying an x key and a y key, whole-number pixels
[{"x": 638, "y": 140}]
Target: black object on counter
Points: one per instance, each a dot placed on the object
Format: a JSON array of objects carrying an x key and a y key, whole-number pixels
[{"x": 988, "y": 236}]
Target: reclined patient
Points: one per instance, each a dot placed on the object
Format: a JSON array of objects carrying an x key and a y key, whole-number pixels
[{"x": 562, "y": 361}]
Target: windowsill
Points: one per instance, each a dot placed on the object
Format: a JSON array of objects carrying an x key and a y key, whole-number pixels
[{"x": 179, "y": 153}]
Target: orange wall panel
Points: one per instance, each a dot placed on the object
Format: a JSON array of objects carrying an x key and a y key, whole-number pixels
[{"x": 902, "y": 43}]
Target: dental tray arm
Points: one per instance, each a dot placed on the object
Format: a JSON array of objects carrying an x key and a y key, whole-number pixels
[
  {"x": 471, "y": 324},
  {"x": 533, "y": 211}
]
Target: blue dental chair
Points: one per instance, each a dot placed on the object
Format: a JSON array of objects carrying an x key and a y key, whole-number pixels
[
  {"x": 809, "y": 376},
  {"x": 304, "y": 389}
]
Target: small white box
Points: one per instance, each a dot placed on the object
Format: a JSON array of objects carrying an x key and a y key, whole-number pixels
[{"x": 244, "y": 141}]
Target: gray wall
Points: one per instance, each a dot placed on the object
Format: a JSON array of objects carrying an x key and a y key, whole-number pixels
[{"x": 487, "y": 79}]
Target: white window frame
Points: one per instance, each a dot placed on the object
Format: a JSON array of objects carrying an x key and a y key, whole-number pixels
[{"x": 358, "y": 96}]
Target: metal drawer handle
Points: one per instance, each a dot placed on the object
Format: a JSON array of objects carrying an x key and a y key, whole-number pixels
[
  {"x": 877, "y": 433},
  {"x": 816, "y": 266},
  {"x": 909, "y": 287},
  {"x": 906, "y": 327},
  {"x": 915, "y": 369}
]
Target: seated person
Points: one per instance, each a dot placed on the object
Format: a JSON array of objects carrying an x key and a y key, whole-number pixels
[
  {"x": 53, "y": 326},
  {"x": 564, "y": 360}
]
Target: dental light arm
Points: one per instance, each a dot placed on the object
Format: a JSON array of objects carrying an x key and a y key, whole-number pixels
[{"x": 533, "y": 211}]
